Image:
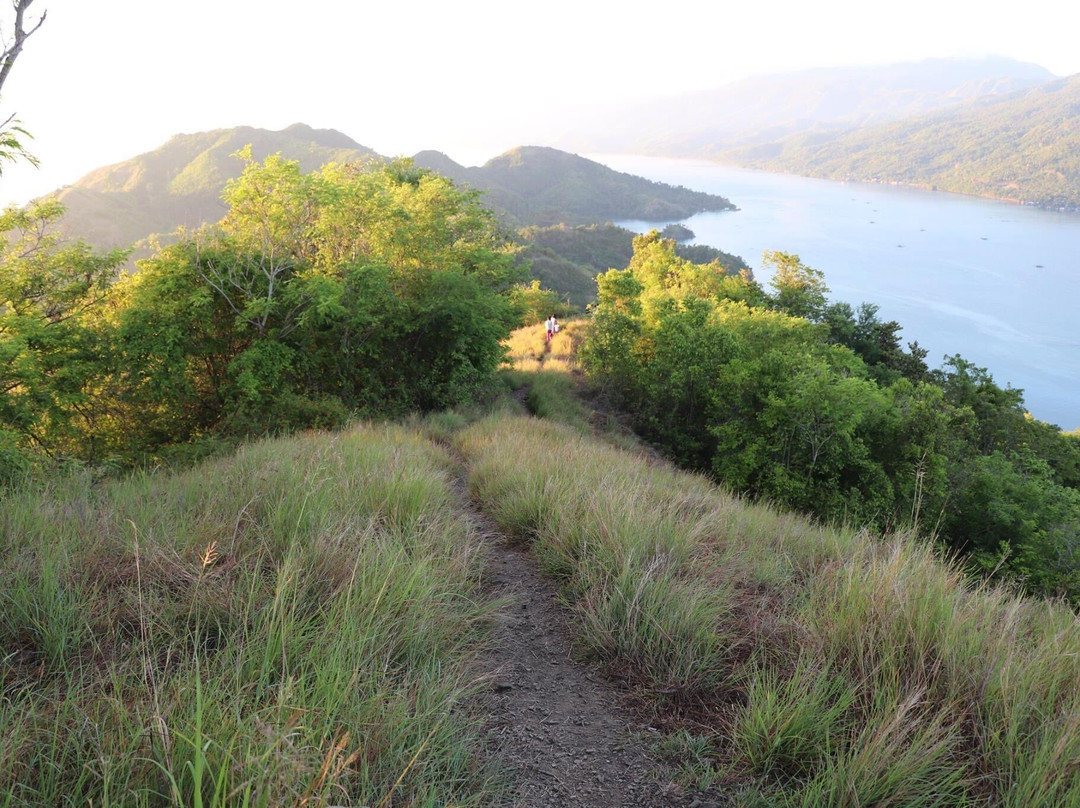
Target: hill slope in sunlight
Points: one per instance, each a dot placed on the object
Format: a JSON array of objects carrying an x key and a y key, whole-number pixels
[
  {"x": 543, "y": 186},
  {"x": 1023, "y": 146},
  {"x": 179, "y": 184}
]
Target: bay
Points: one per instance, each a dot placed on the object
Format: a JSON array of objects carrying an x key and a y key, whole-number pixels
[{"x": 997, "y": 283}]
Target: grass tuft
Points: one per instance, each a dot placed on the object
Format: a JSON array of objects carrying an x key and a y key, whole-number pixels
[
  {"x": 847, "y": 669},
  {"x": 290, "y": 625}
]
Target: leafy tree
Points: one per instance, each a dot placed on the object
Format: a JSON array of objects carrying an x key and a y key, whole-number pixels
[
  {"x": 50, "y": 346},
  {"x": 1009, "y": 516},
  {"x": 998, "y": 412},
  {"x": 877, "y": 342},
  {"x": 535, "y": 304},
  {"x": 800, "y": 290},
  {"x": 678, "y": 401},
  {"x": 379, "y": 288}
]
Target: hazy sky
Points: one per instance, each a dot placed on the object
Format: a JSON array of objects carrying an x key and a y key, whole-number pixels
[{"x": 104, "y": 81}]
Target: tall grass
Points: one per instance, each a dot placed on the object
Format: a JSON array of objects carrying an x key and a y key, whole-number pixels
[
  {"x": 527, "y": 349},
  {"x": 836, "y": 667},
  {"x": 287, "y": 626},
  {"x": 526, "y": 345}
]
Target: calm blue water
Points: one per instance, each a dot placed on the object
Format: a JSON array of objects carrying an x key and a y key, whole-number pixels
[{"x": 995, "y": 282}]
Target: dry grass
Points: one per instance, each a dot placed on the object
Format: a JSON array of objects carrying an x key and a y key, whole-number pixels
[
  {"x": 288, "y": 626},
  {"x": 528, "y": 349},
  {"x": 847, "y": 669}
]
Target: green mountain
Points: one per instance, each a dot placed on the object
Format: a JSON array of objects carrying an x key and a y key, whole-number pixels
[
  {"x": 766, "y": 108},
  {"x": 1023, "y": 146},
  {"x": 543, "y": 186},
  {"x": 180, "y": 183}
]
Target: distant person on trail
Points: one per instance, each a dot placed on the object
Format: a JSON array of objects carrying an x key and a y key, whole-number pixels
[{"x": 551, "y": 325}]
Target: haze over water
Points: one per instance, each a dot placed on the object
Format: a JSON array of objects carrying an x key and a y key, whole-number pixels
[{"x": 997, "y": 283}]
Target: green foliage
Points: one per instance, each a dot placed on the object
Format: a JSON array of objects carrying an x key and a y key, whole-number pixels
[
  {"x": 817, "y": 407},
  {"x": 12, "y": 148},
  {"x": 877, "y": 343},
  {"x": 15, "y": 461},
  {"x": 567, "y": 259},
  {"x": 372, "y": 288},
  {"x": 800, "y": 290},
  {"x": 536, "y": 304},
  {"x": 50, "y": 340}
]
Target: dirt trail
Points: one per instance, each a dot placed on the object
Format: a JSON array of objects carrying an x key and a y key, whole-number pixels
[{"x": 557, "y": 724}]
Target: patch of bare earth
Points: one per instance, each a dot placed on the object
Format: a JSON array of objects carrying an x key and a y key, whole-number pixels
[{"x": 557, "y": 725}]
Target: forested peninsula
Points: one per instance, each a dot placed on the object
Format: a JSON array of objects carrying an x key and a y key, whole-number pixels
[
  {"x": 991, "y": 127},
  {"x": 1022, "y": 147}
]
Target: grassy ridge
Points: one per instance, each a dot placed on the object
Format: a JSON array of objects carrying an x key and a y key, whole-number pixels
[
  {"x": 287, "y": 626},
  {"x": 831, "y": 667},
  {"x": 292, "y": 625}
]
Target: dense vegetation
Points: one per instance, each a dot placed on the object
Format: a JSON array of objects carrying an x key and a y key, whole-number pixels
[
  {"x": 568, "y": 259},
  {"x": 371, "y": 289},
  {"x": 1023, "y": 146},
  {"x": 817, "y": 406},
  {"x": 794, "y": 665}
]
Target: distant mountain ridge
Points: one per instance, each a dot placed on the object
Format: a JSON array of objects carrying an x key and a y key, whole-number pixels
[
  {"x": 180, "y": 183},
  {"x": 766, "y": 108},
  {"x": 1024, "y": 146}
]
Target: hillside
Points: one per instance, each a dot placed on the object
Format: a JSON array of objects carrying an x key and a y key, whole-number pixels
[
  {"x": 180, "y": 183},
  {"x": 544, "y": 186},
  {"x": 766, "y": 108},
  {"x": 395, "y": 615},
  {"x": 1023, "y": 146}
]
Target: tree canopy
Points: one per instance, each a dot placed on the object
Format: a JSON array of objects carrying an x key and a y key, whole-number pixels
[
  {"x": 356, "y": 288},
  {"x": 817, "y": 406}
]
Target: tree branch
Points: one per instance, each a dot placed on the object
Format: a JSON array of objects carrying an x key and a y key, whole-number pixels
[{"x": 12, "y": 51}]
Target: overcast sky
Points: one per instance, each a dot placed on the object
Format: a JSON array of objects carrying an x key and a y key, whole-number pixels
[{"x": 104, "y": 81}]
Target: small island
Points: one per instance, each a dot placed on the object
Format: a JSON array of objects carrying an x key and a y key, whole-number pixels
[{"x": 679, "y": 232}]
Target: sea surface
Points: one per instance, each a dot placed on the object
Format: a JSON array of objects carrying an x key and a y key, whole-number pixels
[{"x": 997, "y": 283}]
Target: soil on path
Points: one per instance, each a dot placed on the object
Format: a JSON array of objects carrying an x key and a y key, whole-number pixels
[{"x": 557, "y": 724}]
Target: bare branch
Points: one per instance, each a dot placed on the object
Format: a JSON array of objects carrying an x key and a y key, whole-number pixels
[{"x": 12, "y": 51}]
